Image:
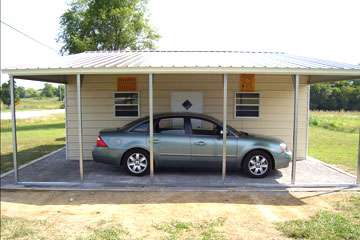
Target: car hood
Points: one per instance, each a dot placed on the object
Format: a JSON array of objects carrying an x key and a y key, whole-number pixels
[{"x": 265, "y": 138}]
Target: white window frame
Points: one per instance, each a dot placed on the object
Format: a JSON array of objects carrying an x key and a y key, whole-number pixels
[
  {"x": 129, "y": 117},
  {"x": 259, "y": 105}
]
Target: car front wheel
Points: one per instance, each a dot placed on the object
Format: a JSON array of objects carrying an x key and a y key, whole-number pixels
[
  {"x": 137, "y": 162},
  {"x": 257, "y": 164}
]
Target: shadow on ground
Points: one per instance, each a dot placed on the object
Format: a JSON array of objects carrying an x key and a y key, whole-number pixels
[
  {"x": 110, "y": 197},
  {"x": 26, "y": 155}
]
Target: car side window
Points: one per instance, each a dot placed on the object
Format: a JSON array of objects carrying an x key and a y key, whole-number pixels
[
  {"x": 170, "y": 126},
  {"x": 204, "y": 127},
  {"x": 141, "y": 128}
]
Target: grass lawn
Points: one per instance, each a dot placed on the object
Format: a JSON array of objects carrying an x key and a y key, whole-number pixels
[
  {"x": 28, "y": 104},
  {"x": 36, "y": 137},
  {"x": 343, "y": 223},
  {"x": 334, "y": 138}
]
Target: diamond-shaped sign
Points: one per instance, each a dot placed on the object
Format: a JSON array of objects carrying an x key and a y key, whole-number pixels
[{"x": 187, "y": 104}]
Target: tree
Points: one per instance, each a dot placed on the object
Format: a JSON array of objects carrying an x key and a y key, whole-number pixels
[
  {"x": 5, "y": 93},
  {"x": 21, "y": 91},
  {"x": 30, "y": 92},
  {"x": 342, "y": 95},
  {"x": 48, "y": 90},
  {"x": 106, "y": 25}
]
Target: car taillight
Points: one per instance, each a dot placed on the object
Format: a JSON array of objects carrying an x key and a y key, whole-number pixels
[{"x": 100, "y": 142}]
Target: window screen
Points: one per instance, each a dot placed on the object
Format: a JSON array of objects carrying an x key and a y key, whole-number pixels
[
  {"x": 126, "y": 104},
  {"x": 247, "y": 104}
]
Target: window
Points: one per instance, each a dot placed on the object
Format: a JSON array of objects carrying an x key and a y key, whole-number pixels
[
  {"x": 203, "y": 127},
  {"x": 170, "y": 126},
  {"x": 247, "y": 104},
  {"x": 142, "y": 128},
  {"x": 126, "y": 104}
]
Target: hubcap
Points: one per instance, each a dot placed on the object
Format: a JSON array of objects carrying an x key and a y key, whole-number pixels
[
  {"x": 258, "y": 165},
  {"x": 137, "y": 163}
]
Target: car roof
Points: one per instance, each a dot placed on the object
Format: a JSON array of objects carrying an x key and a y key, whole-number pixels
[
  {"x": 139, "y": 121},
  {"x": 183, "y": 114}
]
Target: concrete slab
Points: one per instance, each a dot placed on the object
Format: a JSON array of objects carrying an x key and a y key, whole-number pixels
[{"x": 55, "y": 168}]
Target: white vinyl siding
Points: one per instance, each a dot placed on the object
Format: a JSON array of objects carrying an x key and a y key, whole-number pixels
[{"x": 276, "y": 112}]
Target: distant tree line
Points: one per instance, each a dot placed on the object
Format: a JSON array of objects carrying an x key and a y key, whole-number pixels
[
  {"x": 20, "y": 92},
  {"x": 343, "y": 95}
]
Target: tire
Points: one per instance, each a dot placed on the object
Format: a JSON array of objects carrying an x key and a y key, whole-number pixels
[
  {"x": 257, "y": 164},
  {"x": 137, "y": 162}
]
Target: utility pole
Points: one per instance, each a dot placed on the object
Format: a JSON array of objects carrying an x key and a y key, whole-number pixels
[{"x": 60, "y": 93}]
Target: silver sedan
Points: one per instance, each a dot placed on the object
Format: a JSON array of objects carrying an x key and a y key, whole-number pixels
[{"x": 188, "y": 139}]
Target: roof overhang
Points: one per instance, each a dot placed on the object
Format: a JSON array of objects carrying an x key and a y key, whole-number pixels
[{"x": 58, "y": 75}]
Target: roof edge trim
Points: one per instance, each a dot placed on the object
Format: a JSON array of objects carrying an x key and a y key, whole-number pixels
[{"x": 181, "y": 70}]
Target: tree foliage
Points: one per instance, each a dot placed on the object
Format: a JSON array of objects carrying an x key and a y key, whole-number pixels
[
  {"x": 106, "y": 25},
  {"x": 30, "y": 93},
  {"x": 344, "y": 95},
  {"x": 5, "y": 93},
  {"x": 48, "y": 90},
  {"x": 21, "y": 91}
]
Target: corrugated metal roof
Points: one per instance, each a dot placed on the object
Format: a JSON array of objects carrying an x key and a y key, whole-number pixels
[{"x": 187, "y": 59}]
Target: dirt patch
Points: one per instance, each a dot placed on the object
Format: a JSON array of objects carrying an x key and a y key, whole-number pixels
[{"x": 247, "y": 215}]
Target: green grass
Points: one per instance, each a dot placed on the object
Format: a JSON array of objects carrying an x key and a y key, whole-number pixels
[
  {"x": 344, "y": 223},
  {"x": 17, "y": 228},
  {"x": 207, "y": 230},
  {"x": 28, "y": 104},
  {"x": 334, "y": 139},
  {"x": 105, "y": 231},
  {"x": 337, "y": 121},
  {"x": 36, "y": 137},
  {"x": 333, "y": 147}
]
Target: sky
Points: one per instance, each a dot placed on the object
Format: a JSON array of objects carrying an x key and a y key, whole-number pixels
[{"x": 324, "y": 29}]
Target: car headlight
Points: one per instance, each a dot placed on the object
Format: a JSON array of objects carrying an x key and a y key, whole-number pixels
[{"x": 283, "y": 147}]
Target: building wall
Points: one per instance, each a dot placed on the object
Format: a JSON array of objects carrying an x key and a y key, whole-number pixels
[{"x": 276, "y": 105}]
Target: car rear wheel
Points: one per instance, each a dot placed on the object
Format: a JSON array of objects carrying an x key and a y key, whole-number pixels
[
  {"x": 137, "y": 162},
  {"x": 257, "y": 164}
]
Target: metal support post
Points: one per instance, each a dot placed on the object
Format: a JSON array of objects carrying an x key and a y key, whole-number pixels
[
  {"x": 66, "y": 129},
  {"x": 13, "y": 122},
  {"x": 151, "y": 130},
  {"x": 224, "y": 128},
  {"x": 295, "y": 128},
  {"x": 358, "y": 166},
  {"x": 78, "y": 78}
]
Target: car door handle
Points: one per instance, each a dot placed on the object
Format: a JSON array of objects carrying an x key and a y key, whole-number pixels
[
  {"x": 201, "y": 143},
  {"x": 156, "y": 141}
]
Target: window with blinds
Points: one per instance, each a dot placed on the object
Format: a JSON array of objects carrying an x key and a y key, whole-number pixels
[
  {"x": 247, "y": 105},
  {"x": 127, "y": 104}
]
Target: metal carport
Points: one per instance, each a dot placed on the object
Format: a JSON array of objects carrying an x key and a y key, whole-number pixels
[{"x": 180, "y": 62}]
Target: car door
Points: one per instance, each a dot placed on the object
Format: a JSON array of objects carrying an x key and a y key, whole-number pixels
[
  {"x": 203, "y": 140},
  {"x": 206, "y": 144},
  {"x": 171, "y": 143}
]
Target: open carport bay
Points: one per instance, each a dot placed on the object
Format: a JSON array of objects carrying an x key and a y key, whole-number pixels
[{"x": 55, "y": 168}]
